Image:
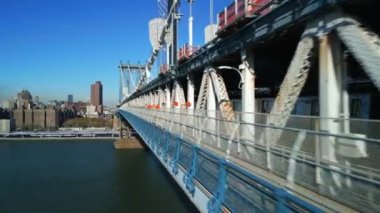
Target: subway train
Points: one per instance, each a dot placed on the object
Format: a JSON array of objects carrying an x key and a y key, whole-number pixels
[
  {"x": 231, "y": 18},
  {"x": 240, "y": 11},
  {"x": 360, "y": 105}
]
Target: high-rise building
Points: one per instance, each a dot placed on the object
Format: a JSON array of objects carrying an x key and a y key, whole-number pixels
[
  {"x": 97, "y": 96},
  {"x": 24, "y": 99},
  {"x": 39, "y": 118},
  {"x": 28, "y": 119},
  {"x": 19, "y": 116},
  {"x": 97, "y": 93},
  {"x": 70, "y": 99},
  {"x": 51, "y": 118}
]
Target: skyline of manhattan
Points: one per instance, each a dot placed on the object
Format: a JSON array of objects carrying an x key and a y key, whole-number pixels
[{"x": 54, "y": 49}]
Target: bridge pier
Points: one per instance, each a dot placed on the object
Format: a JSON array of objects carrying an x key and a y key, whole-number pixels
[
  {"x": 126, "y": 140},
  {"x": 333, "y": 102},
  {"x": 248, "y": 93},
  {"x": 331, "y": 90},
  {"x": 178, "y": 96},
  {"x": 167, "y": 97},
  {"x": 190, "y": 92}
]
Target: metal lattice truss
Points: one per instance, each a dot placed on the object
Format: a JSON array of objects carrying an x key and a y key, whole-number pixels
[
  {"x": 221, "y": 94},
  {"x": 202, "y": 97},
  {"x": 291, "y": 86},
  {"x": 293, "y": 82},
  {"x": 222, "y": 97},
  {"x": 130, "y": 75},
  {"x": 365, "y": 47},
  {"x": 363, "y": 44},
  {"x": 178, "y": 96},
  {"x": 162, "y": 8}
]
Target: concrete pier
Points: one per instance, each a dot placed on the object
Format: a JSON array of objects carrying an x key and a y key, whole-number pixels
[{"x": 128, "y": 143}]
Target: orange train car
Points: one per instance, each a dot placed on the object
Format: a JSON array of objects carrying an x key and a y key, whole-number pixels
[{"x": 239, "y": 11}]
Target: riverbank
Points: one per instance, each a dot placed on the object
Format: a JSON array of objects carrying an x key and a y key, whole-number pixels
[
  {"x": 128, "y": 143},
  {"x": 57, "y": 139},
  {"x": 61, "y": 134}
]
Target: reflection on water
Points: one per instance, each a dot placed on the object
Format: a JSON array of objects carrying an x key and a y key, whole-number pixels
[{"x": 84, "y": 176}]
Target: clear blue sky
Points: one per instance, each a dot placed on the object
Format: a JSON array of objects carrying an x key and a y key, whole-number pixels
[{"x": 58, "y": 47}]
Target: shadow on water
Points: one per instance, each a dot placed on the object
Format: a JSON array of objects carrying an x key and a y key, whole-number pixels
[{"x": 84, "y": 176}]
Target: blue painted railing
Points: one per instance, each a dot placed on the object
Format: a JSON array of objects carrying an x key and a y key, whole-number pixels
[{"x": 231, "y": 186}]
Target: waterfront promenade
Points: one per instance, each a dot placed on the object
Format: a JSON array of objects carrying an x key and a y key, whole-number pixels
[{"x": 61, "y": 134}]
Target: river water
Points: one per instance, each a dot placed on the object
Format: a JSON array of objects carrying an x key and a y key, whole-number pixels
[{"x": 84, "y": 176}]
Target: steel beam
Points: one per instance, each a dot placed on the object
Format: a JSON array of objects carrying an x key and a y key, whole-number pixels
[
  {"x": 248, "y": 93},
  {"x": 167, "y": 97},
  {"x": 190, "y": 92}
]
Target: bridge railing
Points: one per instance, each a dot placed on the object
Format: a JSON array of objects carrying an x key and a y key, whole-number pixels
[
  {"x": 224, "y": 183},
  {"x": 342, "y": 166}
]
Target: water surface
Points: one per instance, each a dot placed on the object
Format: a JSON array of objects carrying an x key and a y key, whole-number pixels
[{"x": 84, "y": 176}]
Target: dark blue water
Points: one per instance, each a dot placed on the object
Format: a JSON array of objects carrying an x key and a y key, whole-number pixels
[{"x": 84, "y": 176}]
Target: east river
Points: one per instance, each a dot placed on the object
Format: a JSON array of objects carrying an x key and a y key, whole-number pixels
[{"x": 84, "y": 176}]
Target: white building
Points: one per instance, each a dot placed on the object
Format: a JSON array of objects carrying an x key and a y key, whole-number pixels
[
  {"x": 6, "y": 125},
  {"x": 91, "y": 111}
]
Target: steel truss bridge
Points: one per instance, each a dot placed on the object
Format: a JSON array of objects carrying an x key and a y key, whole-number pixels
[{"x": 229, "y": 160}]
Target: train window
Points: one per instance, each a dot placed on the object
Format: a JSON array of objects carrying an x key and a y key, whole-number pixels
[
  {"x": 263, "y": 107},
  {"x": 355, "y": 108},
  {"x": 294, "y": 111},
  {"x": 314, "y": 107},
  {"x": 266, "y": 106}
]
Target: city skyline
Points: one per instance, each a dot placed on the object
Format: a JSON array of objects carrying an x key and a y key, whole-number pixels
[
  {"x": 46, "y": 100},
  {"x": 71, "y": 44}
]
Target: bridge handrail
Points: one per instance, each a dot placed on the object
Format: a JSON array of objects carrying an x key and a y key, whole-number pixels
[
  {"x": 183, "y": 123},
  {"x": 220, "y": 118},
  {"x": 304, "y": 155},
  {"x": 272, "y": 197}
]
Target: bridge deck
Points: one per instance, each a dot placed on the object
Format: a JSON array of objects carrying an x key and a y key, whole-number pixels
[{"x": 328, "y": 185}]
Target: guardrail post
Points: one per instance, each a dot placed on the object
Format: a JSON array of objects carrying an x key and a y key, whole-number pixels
[
  {"x": 174, "y": 162},
  {"x": 215, "y": 203},
  {"x": 166, "y": 149},
  {"x": 293, "y": 156},
  {"x": 161, "y": 140},
  {"x": 281, "y": 201},
  {"x": 188, "y": 178}
]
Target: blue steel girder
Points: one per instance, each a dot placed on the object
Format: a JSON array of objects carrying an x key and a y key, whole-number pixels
[
  {"x": 188, "y": 178},
  {"x": 286, "y": 15}
]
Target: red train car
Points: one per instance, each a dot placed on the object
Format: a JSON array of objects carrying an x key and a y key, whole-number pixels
[
  {"x": 164, "y": 68},
  {"x": 239, "y": 11},
  {"x": 185, "y": 52}
]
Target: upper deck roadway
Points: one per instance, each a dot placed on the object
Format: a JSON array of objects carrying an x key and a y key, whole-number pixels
[{"x": 288, "y": 14}]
